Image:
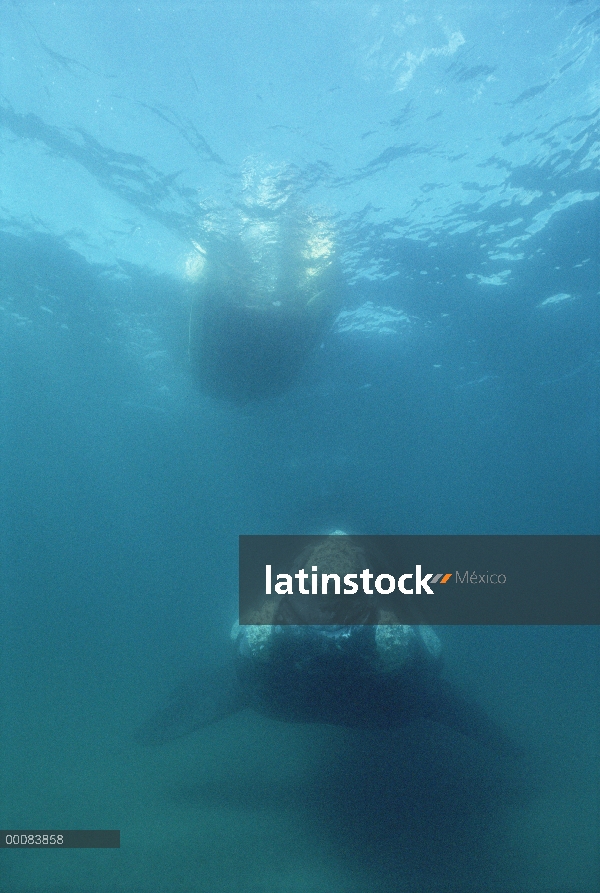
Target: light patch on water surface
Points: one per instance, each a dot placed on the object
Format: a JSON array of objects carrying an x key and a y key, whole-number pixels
[
  {"x": 411, "y": 61},
  {"x": 556, "y": 299},
  {"x": 371, "y": 320},
  {"x": 495, "y": 279}
]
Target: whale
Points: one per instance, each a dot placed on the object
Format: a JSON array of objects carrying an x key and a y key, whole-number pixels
[{"x": 328, "y": 689}]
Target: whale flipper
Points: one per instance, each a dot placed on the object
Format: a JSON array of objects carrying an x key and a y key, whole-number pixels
[
  {"x": 445, "y": 705},
  {"x": 210, "y": 694}
]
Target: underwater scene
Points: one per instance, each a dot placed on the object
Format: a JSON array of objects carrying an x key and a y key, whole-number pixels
[{"x": 293, "y": 268}]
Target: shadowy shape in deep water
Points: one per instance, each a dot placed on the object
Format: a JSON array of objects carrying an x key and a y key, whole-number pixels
[
  {"x": 419, "y": 787},
  {"x": 394, "y": 803},
  {"x": 214, "y": 693},
  {"x": 327, "y": 659},
  {"x": 210, "y": 694}
]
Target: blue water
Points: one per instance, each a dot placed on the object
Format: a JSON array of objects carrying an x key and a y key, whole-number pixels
[{"x": 454, "y": 146}]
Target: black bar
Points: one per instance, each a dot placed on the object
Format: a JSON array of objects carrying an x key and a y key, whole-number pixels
[
  {"x": 481, "y": 580},
  {"x": 59, "y": 840}
]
